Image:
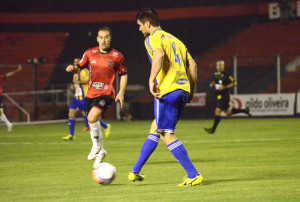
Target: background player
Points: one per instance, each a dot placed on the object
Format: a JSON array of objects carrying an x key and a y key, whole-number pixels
[
  {"x": 223, "y": 82},
  {"x": 81, "y": 80},
  {"x": 2, "y": 115},
  {"x": 172, "y": 82},
  {"x": 103, "y": 63}
]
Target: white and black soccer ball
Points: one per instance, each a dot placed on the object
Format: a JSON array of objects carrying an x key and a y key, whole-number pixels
[{"x": 104, "y": 173}]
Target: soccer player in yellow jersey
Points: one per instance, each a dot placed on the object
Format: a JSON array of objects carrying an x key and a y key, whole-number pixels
[
  {"x": 172, "y": 83},
  {"x": 80, "y": 81}
]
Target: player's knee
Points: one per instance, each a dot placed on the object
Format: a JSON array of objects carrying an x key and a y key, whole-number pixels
[
  {"x": 228, "y": 113},
  {"x": 92, "y": 119},
  {"x": 71, "y": 114}
]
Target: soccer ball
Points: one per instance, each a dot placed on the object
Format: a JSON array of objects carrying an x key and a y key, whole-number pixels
[{"x": 104, "y": 173}]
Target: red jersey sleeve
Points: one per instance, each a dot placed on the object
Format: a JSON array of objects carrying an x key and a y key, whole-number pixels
[
  {"x": 121, "y": 67},
  {"x": 2, "y": 77},
  {"x": 84, "y": 60}
]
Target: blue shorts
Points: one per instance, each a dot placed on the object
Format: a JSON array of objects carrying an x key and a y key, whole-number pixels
[
  {"x": 168, "y": 110},
  {"x": 78, "y": 104}
]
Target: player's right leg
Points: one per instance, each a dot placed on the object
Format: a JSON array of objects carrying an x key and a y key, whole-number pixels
[
  {"x": 147, "y": 149},
  {"x": 217, "y": 119},
  {"x": 96, "y": 136}
]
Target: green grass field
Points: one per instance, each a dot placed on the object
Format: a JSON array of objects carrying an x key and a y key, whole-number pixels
[{"x": 246, "y": 160}]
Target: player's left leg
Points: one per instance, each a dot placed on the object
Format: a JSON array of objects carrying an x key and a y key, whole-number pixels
[
  {"x": 82, "y": 107},
  {"x": 170, "y": 109},
  {"x": 147, "y": 149},
  {"x": 71, "y": 123},
  {"x": 86, "y": 122},
  {"x": 5, "y": 120},
  {"x": 236, "y": 111},
  {"x": 106, "y": 127},
  {"x": 179, "y": 152}
]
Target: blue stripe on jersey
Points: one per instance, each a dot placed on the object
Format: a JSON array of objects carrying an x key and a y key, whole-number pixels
[
  {"x": 148, "y": 44},
  {"x": 82, "y": 91},
  {"x": 150, "y": 59}
]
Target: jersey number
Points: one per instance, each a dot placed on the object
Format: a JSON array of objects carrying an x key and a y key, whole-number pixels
[{"x": 176, "y": 56}]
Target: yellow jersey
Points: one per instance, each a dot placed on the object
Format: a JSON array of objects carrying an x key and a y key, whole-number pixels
[
  {"x": 81, "y": 89},
  {"x": 172, "y": 75}
]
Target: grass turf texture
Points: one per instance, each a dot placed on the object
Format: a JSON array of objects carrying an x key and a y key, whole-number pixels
[{"x": 246, "y": 160}]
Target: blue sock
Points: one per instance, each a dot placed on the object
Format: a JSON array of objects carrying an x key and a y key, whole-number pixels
[
  {"x": 86, "y": 122},
  {"x": 146, "y": 150},
  {"x": 103, "y": 124},
  {"x": 180, "y": 153},
  {"x": 71, "y": 125}
]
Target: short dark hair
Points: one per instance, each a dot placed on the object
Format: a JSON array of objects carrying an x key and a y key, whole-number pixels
[
  {"x": 105, "y": 28},
  {"x": 148, "y": 14}
]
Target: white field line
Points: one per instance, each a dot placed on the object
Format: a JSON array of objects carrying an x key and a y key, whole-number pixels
[{"x": 135, "y": 142}]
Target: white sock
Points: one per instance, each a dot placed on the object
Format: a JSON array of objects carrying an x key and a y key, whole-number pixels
[
  {"x": 4, "y": 119},
  {"x": 96, "y": 134}
]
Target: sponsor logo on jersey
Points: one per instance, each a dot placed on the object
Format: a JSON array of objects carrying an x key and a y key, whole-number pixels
[
  {"x": 102, "y": 103},
  {"x": 115, "y": 54},
  {"x": 106, "y": 87},
  {"x": 110, "y": 63},
  {"x": 162, "y": 36},
  {"x": 181, "y": 81},
  {"x": 93, "y": 61},
  {"x": 94, "y": 51},
  {"x": 98, "y": 85}
]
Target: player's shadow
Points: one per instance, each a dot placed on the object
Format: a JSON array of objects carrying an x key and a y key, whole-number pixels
[{"x": 211, "y": 182}]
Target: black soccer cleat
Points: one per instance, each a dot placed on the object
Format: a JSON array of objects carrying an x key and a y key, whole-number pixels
[
  {"x": 248, "y": 111},
  {"x": 209, "y": 130}
]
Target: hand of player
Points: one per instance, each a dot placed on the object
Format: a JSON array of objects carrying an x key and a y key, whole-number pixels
[
  {"x": 120, "y": 97},
  {"x": 191, "y": 96},
  {"x": 152, "y": 88},
  {"x": 19, "y": 68},
  {"x": 72, "y": 87},
  {"x": 70, "y": 68}
]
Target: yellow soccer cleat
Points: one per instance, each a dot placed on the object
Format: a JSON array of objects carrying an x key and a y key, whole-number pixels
[
  {"x": 68, "y": 137},
  {"x": 107, "y": 131},
  {"x": 187, "y": 182},
  {"x": 133, "y": 176}
]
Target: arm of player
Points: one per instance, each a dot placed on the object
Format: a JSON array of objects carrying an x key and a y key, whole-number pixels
[
  {"x": 231, "y": 85},
  {"x": 158, "y": 56},
  {"x": 192, "y": 69},
  {"x": 9, "y": 74},
  {"x": 72, "y": 68},
  {"x": 123, "y": 84}
]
